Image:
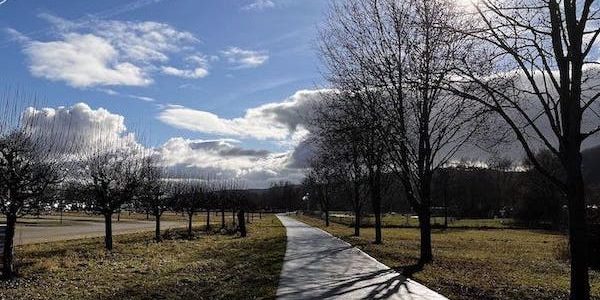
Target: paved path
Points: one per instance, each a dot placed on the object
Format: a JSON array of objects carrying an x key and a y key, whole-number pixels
[
  {"x": 82, "y": 228},
  {"x": 320, "y": 266}
]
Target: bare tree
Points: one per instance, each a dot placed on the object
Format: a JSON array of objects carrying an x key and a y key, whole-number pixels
[
  {"x": 536, "y": 68},
  {"x": 395, "y": 56},
  {"x": 189, "y": 194},
  {"x": 153, "y": 191},
  {"x": 112, "y": 177},
  {"x": 31, "y": 166},
  {"x": 338, "y": 134},
  {"x": 26, "y": 174}
]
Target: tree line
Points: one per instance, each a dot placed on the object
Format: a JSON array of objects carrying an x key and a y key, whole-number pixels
[
  {"x": 415, "y": 83},
  {"x": 47, "y": 168}
]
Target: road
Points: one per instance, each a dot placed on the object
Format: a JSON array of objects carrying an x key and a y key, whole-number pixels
[
  {"x": 318, "y": 265},
  {"x": 31, "y": 231}
]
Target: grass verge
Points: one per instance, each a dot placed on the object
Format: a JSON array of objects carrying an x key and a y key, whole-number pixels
[
  {"x": 210, "y": 266},
  {"x": 474, "y": 264}
]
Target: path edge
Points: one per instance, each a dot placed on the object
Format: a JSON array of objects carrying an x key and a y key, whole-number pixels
[{"x": 364, "y": 253}]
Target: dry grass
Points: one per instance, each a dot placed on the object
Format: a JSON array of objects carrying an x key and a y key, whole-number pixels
[
  {"x": 211, "y": 266},
  {"x": 475, "y": 264},
  {"x": 400, "y": 220}
]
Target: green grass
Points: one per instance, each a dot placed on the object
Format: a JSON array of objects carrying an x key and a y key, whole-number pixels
[
  {"x": 475, "y": 264},
  {"x": 211, "y": 266}
]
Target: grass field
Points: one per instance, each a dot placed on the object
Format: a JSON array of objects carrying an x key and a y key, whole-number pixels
[
  {"x": 475, "y": 264},
  {"x": 400, "y": 220},
  {"x": 167, "y": 216},
  {"x": 211, "y": 266}
]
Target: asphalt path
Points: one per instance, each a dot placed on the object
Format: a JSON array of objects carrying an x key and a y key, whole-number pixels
[
  {"x": 318, "y": 265},
  {"x": 31, "y": 231}
]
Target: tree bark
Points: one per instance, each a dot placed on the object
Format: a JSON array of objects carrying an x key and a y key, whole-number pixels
[
  {"x": 108, "y": 242},
  {"x": 190, "y": 216},
  {"x": 242, "y": 223},
  {"x": 7, "y": 263},
  {"x": 357, "y": 209},
  {"x": 207, "y": 219},
  {"x": 222, "y": 217},
  {"x": 580, "y": 287},
  {"x": 425, "y": 229},
  {"x": 376, "y": 202},
  {"x": 157, "y": 230}
]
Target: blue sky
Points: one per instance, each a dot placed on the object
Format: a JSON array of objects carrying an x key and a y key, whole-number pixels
[{"x": 184, "y": 69}]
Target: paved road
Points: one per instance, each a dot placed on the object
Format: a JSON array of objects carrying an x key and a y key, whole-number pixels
[
  {"x": 320, "y": 266},
  {"x": 76, "y": 228}
]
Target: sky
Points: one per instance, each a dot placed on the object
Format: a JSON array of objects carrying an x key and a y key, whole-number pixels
[{"x": 215, "y": 86}]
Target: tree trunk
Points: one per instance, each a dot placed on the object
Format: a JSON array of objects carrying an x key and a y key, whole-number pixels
[
  {"x": 580, "y": 287},
  {"x": 233, "y": 216},
  {"x": 157, "y": 230},
  {"x": 108, "y": 242},
  {"x": 327, "y": 217},
  {"x": 425, "y": 228},
  {"x": 357, "y": 209},
  {"x": 7, "y": 267},
  {"x": 242, "y": 223},
  {"x": 376, "y": 202},
  {"x": 207, "y": 219},
  {"x": 190, "y": 216},
  {"x": 222, "y": 217}
]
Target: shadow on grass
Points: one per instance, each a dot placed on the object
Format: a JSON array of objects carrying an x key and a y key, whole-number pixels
[
  {"x": 246, "y": 269},
  {"x": 409, "y": 270},
  {"x": 214, "y": 266}
]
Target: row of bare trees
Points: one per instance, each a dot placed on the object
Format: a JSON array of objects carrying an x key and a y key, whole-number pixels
[
  {"x": 414, "y": 82},
  {"x": 43, "y": 167}
]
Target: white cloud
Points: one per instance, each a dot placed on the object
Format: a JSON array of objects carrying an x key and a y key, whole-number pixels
[
  {"x": 241, "y": 58},
  {"x": 109, "y": 53},
  {"x": 143, "y": 98},
  {"x": 78, "y": 128},
  {"x": 193, "y": 74},
  {"x": 225, "y": 159},
  {"x": 275, "y": 121},
  {"x": 259, "y": 5},
  {"x": 82, "y": 61}
]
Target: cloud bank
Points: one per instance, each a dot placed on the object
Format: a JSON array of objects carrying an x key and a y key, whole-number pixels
[
  {"x": 272, "y": 121},
  {"x": 80, "y": 129},
  {"x": 110, "y": 53}
]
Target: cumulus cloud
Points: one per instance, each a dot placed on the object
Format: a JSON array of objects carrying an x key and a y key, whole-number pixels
[
  {"x": 226, "y": 159},
  {"x": 78, "y": 128},
  {"x": 273, "y": 121},
  {"x": 259, "y": 5},
  {"x": 82, "y": 61},
  {"x": 108, "y": 53},
  {"x": 241, "y": 58}
]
